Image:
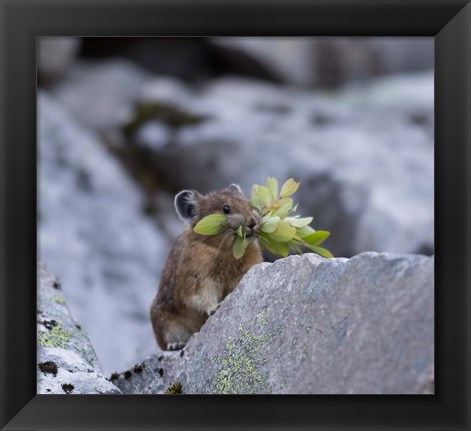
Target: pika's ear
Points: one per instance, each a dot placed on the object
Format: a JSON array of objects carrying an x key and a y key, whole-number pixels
[
  {"x": 186, "y": 204},
  {"x": 236, "y": 187}
]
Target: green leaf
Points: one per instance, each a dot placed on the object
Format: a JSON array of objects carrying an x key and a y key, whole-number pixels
[
  {"x": 239, "y": 231},
  {"x": 304, "y": 231},
  {"x": 270, "y": 224},
  {"x": 289, "y": 187},
  {"x": 274, "y": 247},
  {"x": 284, "y": 232},
  {"x": 280, "y": 233},
  {"x": 210, "y": 225},
  {"x": 255, "y": 199},
  {"x": 299, "y": 221},
  {"x": 272, "y": 184},
  {"x": 262, "y": 246},
  {"x": 293, "y": 245},
  {"x": 265, "y": 218},
  {"x": 283, "y": 207},
  {"x": 238, "y": 249},
  {"x": 265, "y": 197},
  {"x": 316, "y": 238},
  {"x": 322, "y": 251}
]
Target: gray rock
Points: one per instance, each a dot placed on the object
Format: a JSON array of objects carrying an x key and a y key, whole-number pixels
[
  {"x": 66, "y": 360},
  {"x": 306, "y": 325},
  {"x": 288, "y": 60},
  {"x": 324, "y": 62},
  {"x": 94, "y": 236},
  {"x": 56, "y": 55},
  {"x": 188, "y": 58},
  {"x": 101, "y": 95}
]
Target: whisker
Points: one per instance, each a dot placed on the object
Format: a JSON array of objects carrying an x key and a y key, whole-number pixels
[
  {"x": 226, "y": 235},
  {"x": 203, "y": 238}
]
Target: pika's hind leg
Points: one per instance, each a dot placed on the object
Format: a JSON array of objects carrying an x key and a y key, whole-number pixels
[
  {"x": 171, "y": 331},
  {"x": 176, "y": 346},
  {"x": 176, "y": 334}
]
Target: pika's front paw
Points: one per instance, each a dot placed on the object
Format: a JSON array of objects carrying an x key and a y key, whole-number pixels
[
  {"x": 212, "y": 310},
  {"x": 176, "y": 346}
]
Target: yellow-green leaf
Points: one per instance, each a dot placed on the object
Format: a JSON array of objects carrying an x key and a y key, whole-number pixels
[
  {"x": 274, "y": 247},
  {"x": 270, "y": 224},
  {"x": 304, "y": 231},
  {"x": 321, "y": 251},
  {"x": 210, "y": 225},
  {"x": 239, "y": 231},
  {"x": 255, "y": 199},
  {"x": 293, "y": 245},
  {"x": 284, "y": 232},
  {"x": 283, "y": 207},
  {"x": 238, "y": 249},
  {"x": 316, "y": 238},
  {"x": 299, "y": 221},
  {"x": 265, "y": 218},
  {"x": 289, "y": 187},
  {"x": 265, "y": 197},
  {"x": 272, "y": 184}
]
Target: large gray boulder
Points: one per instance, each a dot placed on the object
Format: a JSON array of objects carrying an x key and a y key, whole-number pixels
[
  {"x": 66, "y": 361},
  {"x": 95, "y": 237},
  {"x": 306, "y": 325}
]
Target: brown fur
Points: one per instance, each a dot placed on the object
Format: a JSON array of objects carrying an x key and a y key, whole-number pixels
[{"x": 201, "y": 270}]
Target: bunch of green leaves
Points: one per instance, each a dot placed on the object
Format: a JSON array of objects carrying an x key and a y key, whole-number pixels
[
  {"x": 280, "y": 230},
  {"x": 215, "y": 224}
]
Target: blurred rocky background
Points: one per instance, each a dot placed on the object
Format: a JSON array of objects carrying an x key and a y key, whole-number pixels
[{"x": 124, "y": 124}]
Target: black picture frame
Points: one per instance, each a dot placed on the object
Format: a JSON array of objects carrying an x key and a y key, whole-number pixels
[{"x": 22, "y": 21}]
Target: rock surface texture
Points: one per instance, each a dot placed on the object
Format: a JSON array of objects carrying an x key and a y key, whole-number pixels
[
  {"x": 66, "y": 361},
  {"x": 95, "y": 237},
  {"x": 306, "y": 325}
]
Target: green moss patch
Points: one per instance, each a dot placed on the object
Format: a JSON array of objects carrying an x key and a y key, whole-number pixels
[
  {"x": 59, "y": 299},
  {"x": 56, "y": 337},
  {"x": 240, "y": 368},
  {"x": 175, "y": 389}
]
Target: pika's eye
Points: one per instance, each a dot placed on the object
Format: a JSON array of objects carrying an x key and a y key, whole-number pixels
[{"x": 226, "y": 209}]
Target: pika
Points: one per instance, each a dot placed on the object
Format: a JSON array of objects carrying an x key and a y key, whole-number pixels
[{"x": 201, "y": 271}]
